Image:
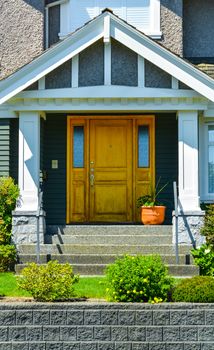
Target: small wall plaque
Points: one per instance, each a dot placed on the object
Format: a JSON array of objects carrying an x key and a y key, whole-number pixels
[{"x": 54, "y": 164}]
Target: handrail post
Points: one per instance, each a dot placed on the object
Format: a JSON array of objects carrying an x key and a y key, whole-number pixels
[
  {"x": 176, "y": 221},
  {"x": 37, "y": 228}
]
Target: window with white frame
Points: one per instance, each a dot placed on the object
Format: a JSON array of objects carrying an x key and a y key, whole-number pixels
[
  {"x": 142, "y": 14},
  {"x": 206, "y": 141}
]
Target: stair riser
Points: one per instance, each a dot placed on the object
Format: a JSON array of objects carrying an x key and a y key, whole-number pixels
[
  {"x": 100, "y": 270},
  {"x": 94, "y": 259},
  {"x": 132, "y": 240},
  {"x": 103, "y": 249},
  {"x": 110, "y": 230}
]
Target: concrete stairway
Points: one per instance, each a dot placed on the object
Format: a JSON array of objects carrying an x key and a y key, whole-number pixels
[{"x": 89, "y": 248}]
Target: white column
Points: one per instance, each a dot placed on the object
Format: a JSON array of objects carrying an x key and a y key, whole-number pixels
[
  {"x": 188, "y": 161},
  {"x": 29, "y": 160}
]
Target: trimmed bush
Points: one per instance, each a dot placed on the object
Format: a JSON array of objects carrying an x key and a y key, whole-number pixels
[
  {"x": 49, "y": 282},
  {"x": 204, "y": 258},
  {"x": 7, "y": 257},
  {"x": 207, "y": 229},
  {"x": 199, "y": 289},
  {"x": 9, "y": 193},
  {"x": 138, "y": 279}
]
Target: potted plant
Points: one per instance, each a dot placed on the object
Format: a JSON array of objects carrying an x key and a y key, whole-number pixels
[{"x": 152, "y": 211}]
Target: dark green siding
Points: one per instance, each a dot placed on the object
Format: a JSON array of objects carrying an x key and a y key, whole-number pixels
[
  {"x": 55, "y": 185},
  {"x": 4, "y": 147},
  {"x": 167, "y": 157},
  {"x": 14, "y": 144}
]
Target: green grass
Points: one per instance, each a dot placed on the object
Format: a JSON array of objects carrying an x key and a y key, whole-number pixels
[
  {"x": 91, "y": 287},
  {"x": 88, "y": 287},
  {"x": 8, "y": 286}
]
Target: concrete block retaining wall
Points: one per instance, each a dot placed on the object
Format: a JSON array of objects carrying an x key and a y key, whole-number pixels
[{"x": 106, "y": 326}]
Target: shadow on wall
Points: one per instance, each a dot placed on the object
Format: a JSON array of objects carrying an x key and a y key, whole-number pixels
[
  {"x": 175, "y": 6},
  {"x": 37, "y": 4}
]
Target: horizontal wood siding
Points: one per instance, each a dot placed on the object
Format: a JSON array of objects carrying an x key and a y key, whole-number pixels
[
  {"x": 4, "y": 147},
  {"x": 167, "y": 157},
  {"x": 14, "y": 145},
  {"x": 55, "y": 185}
]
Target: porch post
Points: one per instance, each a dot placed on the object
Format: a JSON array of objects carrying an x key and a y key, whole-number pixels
[
  {"x": 24, "y": 217},
  {"x": 190, "y": 213}
]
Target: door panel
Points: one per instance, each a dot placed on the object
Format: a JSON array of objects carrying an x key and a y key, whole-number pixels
[
  {"x": 110, "y": 158},
  {"x": 110, "y": 163}
]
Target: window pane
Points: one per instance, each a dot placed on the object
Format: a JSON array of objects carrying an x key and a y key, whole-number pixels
[
  {"x": 211, "y": 169},
  {"x": 143, "y": 146},
  {"x": 211, "y": 133},
  {"x": 78, "y": 147}
]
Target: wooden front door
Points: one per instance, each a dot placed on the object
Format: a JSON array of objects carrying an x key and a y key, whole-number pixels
[
  {"x": 110, "y": 171},
  {"x": 110, "y": 163}
]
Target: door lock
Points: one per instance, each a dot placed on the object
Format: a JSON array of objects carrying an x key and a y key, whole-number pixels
[{"x": 92, "y": 179}]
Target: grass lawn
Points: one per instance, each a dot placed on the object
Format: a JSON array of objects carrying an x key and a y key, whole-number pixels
[{"x": 90, "y": 287}]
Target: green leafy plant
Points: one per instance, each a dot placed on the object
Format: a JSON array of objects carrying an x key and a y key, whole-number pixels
[
  {"x": 9, "y": 192},
  {"x": 198, "y": 289},
  {"x": 204, "y": 258},
  {"x": 138, "y": 279},
  {"x": 207, "y": 229},
  {"x": 49, "y": 282},
  {"x": 150, "y": 200},
  {"x": 7, "y": 257}
]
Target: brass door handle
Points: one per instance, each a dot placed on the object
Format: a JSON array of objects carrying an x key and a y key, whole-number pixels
[{"x": 92, "y": 179}]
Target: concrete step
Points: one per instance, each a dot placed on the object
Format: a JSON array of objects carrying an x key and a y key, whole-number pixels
[
  {"x": 111, "y": 239},
  {"x": 99, "y": 269},
  {"x": 103, "y": 249},
  {"x": 96, "y": 259},
  {"x": 92, "y": 230}
]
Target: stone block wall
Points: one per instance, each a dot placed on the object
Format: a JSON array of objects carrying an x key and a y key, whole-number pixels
[{"x": 106, "y": 326}]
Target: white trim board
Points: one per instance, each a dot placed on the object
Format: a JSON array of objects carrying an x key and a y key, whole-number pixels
[{"x": 90, "y": 33}]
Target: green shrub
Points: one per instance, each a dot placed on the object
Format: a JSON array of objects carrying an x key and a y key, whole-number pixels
[
  {"x": 207, "y": 230},
  {"x": 49, "y": 282},
  {"x": 199, "y": 289},
  {"x": 7, "y": 257},
  {"x": 138, "y": 279},
  {"x": 204, "y": 258},
  {"x": 9, "y": 193}
]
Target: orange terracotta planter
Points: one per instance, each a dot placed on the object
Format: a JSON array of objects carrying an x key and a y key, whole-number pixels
[{"x": 153, "y": 215}]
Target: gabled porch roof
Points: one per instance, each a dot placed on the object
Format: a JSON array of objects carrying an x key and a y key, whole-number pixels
[{"x": 105, "y": 26}]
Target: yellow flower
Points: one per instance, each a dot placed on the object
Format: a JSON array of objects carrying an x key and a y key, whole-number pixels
[
  {"x": 134, "y": 291},
  {"x": 128, "y": 292}
]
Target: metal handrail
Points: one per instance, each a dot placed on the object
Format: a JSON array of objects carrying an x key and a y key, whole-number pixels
[
  {"x": 37, "y": 226},
  {"x": 176, "y": 221}
]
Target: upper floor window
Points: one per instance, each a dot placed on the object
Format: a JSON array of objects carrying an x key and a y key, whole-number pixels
[{"x": 142, "y": 14}]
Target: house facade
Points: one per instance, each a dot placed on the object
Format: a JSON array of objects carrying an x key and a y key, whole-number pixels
[{"x": 100, "y": 99}]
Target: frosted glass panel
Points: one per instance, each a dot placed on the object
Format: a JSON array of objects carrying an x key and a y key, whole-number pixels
[
  {"x": 143, "y": 146},
  {"x": 211, "y": 169},
  {"x": 211, "y": 133},
  {"x": 78, "y": 147}
]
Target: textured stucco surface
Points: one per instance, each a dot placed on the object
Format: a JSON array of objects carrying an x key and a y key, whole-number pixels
[
  {"x": 21, "y": 33},
  {"x": 124, "y": 65},
  {"x": 91, "y": 65},
  {"x": 156, "y": 77},
  {"x": 171, "y": 25},
  {"x": 59, "y": 77},
  {"x": 198, "y": 28}
]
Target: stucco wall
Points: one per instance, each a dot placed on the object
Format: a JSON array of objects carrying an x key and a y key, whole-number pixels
[
  {"x": 198, "y": 28},
  {"x": 21, "y": 33},
  {"x": 171, "y": 25},
  {"x": 156, "y": 77}
]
